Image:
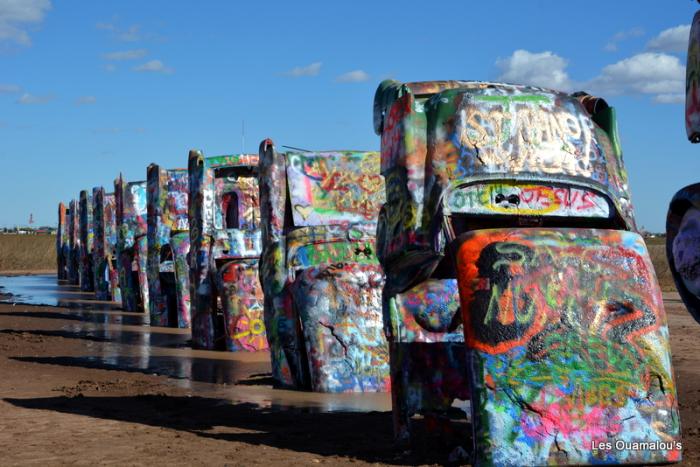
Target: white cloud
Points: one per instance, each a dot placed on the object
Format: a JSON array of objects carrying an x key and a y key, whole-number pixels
[
  {"x": 16, "y": 15},
  {"x": 9, "y": 88},
  {"x": 355, "y": 76},
  {"x": 85, "y": 100},
  {"x": 110, "y": 67},
  {"x": 677, "y": 98},
  {"x": 131, "y": 34},
  {"x": 153, "y": 66},
  {"x": 126, "y": 54},
  {"x": 671, "y": 40},
  {"x": 644, "y": 73},
  {"x": 544, "y": 69},
  {"x": 611, "y": 46},
  {"x": 31, "y": 99},
  {"x": 309, "y": 70}
]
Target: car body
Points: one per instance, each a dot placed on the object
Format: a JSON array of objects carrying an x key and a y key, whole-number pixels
[
  {"x": 321, "y": 278},
  {"x": 225, "y": 238},
  {"x": 73, "y": 253},
  {"x": 62, "y": 241},
  {"x": 87, "y": 237},
  {"x": 168, "y": 247},
  {"x": 105, "y": 245},
  {"x": 132, "y": 243},
  {"x": 683, "y": 218},
  {"x": 518, "y": 197}
]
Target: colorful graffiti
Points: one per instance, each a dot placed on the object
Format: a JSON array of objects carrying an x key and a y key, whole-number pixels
[
  {"x": 527, "y": 199},
  {"x": 683, "y": 246},
  {"x": 105, "y": 243},
  {"x": 502, "y": 155},
  {"x": 132, "y": 244},
  {"x": 568, "y": 344},
  {"x": 167, "y": 266},
  {"x": 224, "y": 218},
  {"x": 62, "y": 241},
  {"x": 87, "y": 238},
  {"x": 73, "y": 255},
  {"x": 319, "y": 271}
]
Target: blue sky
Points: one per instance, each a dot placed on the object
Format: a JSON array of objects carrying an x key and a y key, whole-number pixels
[{"x": 89, "y": 89}]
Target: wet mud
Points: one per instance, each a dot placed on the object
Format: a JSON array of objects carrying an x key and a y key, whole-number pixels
[{"x": 83, "y": 382}]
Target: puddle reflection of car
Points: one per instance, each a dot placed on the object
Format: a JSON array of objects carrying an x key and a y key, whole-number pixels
[
  {"x": 228, "y": 310},
  {"x": 517, "y": 198},
  {"x": 168, "y": 247},
  {"x": 132, "y": 243},
  {"x": 320, "y": 275}
]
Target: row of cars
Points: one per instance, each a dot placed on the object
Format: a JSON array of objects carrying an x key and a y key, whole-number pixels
[{"x": 484, "y": 266}]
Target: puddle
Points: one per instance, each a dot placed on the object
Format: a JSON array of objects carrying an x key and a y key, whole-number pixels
[{"x": 117, "y": 340}]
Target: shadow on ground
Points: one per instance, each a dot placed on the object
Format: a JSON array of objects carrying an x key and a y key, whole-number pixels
[{"x": 365, "y": 436}]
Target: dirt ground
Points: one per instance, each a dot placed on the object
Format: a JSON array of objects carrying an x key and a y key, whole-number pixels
[{"x": 96, "y": 386}]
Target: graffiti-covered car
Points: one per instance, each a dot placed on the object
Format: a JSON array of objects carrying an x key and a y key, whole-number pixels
[
  {"x": 321, "y": 279},
  {"x": 132, "y": 243},
  {"x": 62, "y": 243},
  {"x": 87, "y": 237},
  {"x": 168, "y": 247},
  {"x": 225, "y": 237},
  {"x": 517, "y": 197},
  {"x": 683, "y": 218},
  {"x": 73, "y": 253},
  {"x": 105, "y": 245}
]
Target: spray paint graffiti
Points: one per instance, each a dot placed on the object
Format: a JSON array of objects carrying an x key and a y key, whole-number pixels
[
  {"x": 568, "y": 346},
  {"x": 132, "y": 244},
  {"x": 225, "y": 238},
  {"x": 320, "y": 275},
  {"x": 168, "y": 272},
  {"x": 503, "y": 156},
  {"x": 683, "y": 246},
  {"x": 62, "y": 241},
  {"x": 73, "y": 254},
  {"x": 105, "y": 243},
  {"x": 87, "y": 237}
]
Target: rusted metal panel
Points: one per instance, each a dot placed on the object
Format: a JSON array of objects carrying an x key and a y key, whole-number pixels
[
  {"x": 320, "y": 275},
  {"x": 132, "y": 244},
  {"x": 168, "y": 275},
  {"x": 225, "y": 237},
  {"x": 568, "y": 347}
]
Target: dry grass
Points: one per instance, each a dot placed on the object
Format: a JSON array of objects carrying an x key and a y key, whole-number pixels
[
  {"x": 38, "y": 252},
  {"x": 27, "y": 252}
]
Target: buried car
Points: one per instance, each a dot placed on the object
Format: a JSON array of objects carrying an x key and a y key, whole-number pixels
[
  {"x": 321, "y": 279},
  {"x": 225, "y": 237},
  {"x": 105, "y": 245},
  {"x": 168, "y": 247},
  {"x": 73, "y": 244},
  {"x": 132, "y": 243},
  {"x": 683, "y": 218},
  {"x": 62, "y": 251},
  {"x": 517, "y": 197},
  {"x": 87, "y": 237}
]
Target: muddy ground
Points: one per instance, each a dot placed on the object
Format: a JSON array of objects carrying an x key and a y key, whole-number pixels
[{"x": 86, "y": 386}]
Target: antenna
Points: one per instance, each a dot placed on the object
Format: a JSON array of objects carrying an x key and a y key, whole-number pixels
[
  {"x": 306, "y": 150},
  {"x": 243, "y": 136}
]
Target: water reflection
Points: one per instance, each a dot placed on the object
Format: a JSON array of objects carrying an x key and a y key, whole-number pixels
[{"x": 117, "y": 340}]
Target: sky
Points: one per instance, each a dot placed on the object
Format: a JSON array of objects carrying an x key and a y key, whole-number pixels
[{"x": 89, "y": 89}]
